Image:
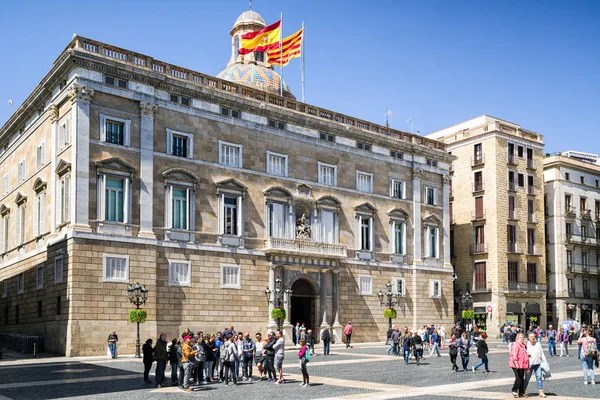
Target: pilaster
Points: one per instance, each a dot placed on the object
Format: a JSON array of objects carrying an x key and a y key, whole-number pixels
[
  {"x": 54, "y": 115},
  {"x": 147, "y": 111},
  {"x": 418, "y": 231},
  {"x": 336, "y": 332},
  {"x": 323, "y": 303},
  {"x": 446, "y": 180}
]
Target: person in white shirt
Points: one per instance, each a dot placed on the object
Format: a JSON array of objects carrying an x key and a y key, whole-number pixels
[{"x": 536, "y": 358}]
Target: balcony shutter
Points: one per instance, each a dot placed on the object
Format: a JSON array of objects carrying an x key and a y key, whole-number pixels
[
  {"x": 35, "y": 216},
  {"x": 479, "y": 207},
  {"x": 18, "y": 227}
]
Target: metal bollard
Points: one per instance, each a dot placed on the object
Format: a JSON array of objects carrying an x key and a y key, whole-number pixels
[{"x": 34, "y": 348}]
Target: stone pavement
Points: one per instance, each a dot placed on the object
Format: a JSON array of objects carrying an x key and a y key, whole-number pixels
[{"x": 363, "y": 372}]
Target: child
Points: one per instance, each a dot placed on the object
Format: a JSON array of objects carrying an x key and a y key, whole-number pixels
[{"x": 304, "y": 356}]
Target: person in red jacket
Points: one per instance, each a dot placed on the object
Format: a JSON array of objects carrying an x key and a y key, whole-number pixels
[
  {"x": 519, "y": 362},
  {"x": 348, "y": 333}
]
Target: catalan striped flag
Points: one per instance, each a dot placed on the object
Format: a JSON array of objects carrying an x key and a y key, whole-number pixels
[
  {"x": 266, "y": 39},
  {"x": 291, "y": 47}
]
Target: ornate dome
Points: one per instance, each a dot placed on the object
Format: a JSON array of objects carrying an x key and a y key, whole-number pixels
[
  {"x": 249, "y": 17},
  {"x": 257, "y": 76}
]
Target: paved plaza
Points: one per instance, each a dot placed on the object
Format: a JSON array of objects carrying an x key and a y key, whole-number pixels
[{"x": 363, "y": 372}]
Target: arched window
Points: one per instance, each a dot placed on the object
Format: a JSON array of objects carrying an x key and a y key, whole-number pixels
[
  {"x": 236, "y": 45},
  {"x": 259, "y": 56}
]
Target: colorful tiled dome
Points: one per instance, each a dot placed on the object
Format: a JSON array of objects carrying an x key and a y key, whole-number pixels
[
  {"x": 254, "y": 75},
  {"x": 249, "y": 17}
]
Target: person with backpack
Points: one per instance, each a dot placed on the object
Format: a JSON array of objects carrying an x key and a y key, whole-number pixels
[
  {"x": 231, "y": 355},
  {"x": 326, "y": 339},
  {"x": 464, "y": 344},
  {"x": 174, "y": 360},
  {"x": 453, "y": 352},
  {"x": 304, "y": 357},
  {"x": 589, "y": 354},
  {"x": 482, "y": 350}
]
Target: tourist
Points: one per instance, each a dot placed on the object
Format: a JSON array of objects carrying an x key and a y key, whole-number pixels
[
  {"x": 239, "y": 342},
  {"x": 539, "y": 333},
  {"x": 310, "y": 341},
  {"x": 160, "y": 355},
  {"x": 248, "y": 349},
  {"x": 259, "y": 357},
  {"x": 442, "y": 333},
  {"x": 588, "y": 353},
  {"x": 417, "y": 345},
  {"x": 279, "y": 348},
  {"x": 464, "y": 344},
  {"x": 304, "y": 356},
  {"x": 186, "y": 333},
  {"x": 453, "y": 352},
  {"x": 218, "y": 364},
  {"x": 297, "y": 331},
  {"x": 211, "y": 350},
  {"x": 326, "y": 339},
  {"x": 597, "y": 335},
  {"x": 186, "y": 366},
  {"x": 551, "y": 340},
  {"x": 147, "y": 359},
  {"x": 348, "y": 333},
  {"x": 435, "y": 344},
  {"x": 199, "y": 359},
  {"x": 563, "y": 342},
  {"x": 112, "y": 344},
  {"x": 231, "y": 355},
  {"x": 482, "y": 350},
  {"x": 536, "y": 358},
  {"x": 395, "y": 340},
  {"x": 518, "y": 360},
  {"x": 174, "y": 359},
  {"x": 571, "y": 334},
  {"x": 303, "y": 334},
  {"x": 270, "y": 357}
]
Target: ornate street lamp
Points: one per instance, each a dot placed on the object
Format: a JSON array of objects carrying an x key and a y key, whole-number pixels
[
  {"x": 137, "y": 296},
  {"x": 467, "y": 301},
  {"x": 278, "y": 298},
  {"x": 389, "y": 303}
]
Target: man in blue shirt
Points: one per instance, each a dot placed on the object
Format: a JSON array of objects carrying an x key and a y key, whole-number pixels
[{"x": 551, "y": 340}]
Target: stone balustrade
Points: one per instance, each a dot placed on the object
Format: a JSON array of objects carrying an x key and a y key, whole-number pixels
[{"x": 280, "y": 245}]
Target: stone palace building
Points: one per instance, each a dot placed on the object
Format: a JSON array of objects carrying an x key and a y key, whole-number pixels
[{"x": 120, "y": 168}]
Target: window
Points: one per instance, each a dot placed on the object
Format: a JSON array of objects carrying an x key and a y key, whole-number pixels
[
  {"x": 584, "y": 232},
  {"x": 180, "y": 205},
  {"x": 530, "y": 210},
  {"x": 480, "y": 276},
  {"x": 568, "y": 204},
  {"x": 399, "y": 286},
  {"x": 582, "y": 204},
  {"x": 180, "y": 144},
  {"x": 531, "y": 272},
  {"x": 511, "y": 181},
  {"x": 276, "y": 124},
  {"x": 435, "y": 289},
  {"x": 569, "y": 258},
  {"x": 109, "y": 80},
  {"x": 584, "y": 259},
  {"x": 327, "y": 174},
  {"x": 229, "y": 112},
  {"x": 479, "y": 239},
  {"x": 399, "y": 237},
  {"x": 4, "y": 288},
  {"x": 236, "y": 45},
  {"x": 327, "y": 137},
  {"x": 597, "y": 183},
  {"x": 530, "y": 158},
  {"x": 570, "y": 285},
  {"x": 430, "y": 195},
  {"x": 397, "y": 189},
  {"x": 277, "y": 216},
  {"x": 20, "y": 226},
  {"x": 431, "y": 162},
  {"x": 58, "y": 269},
  {"x": 40, "y": 308},
  {"x": 477, "y": 154},
  {"x": 567, "y": 176},
  {"x": 116, "y": 268},
  {"x": 230, "y": 154},
  {"x": 363, "y": 146},
  {"x": 39, "y": 214},
  {"x": 180, "y": 100},
  {"x": 58, "y": 305},
  {"x": 521, "y": 180},
  {"x": 511, "y": 153},
  {"x": 431, "y": 242},
  {"x": 277, "y": 164},
  {"x": 230, "y": 277},
  {"x": 114, "y": 130},
  {"x": 364, "y": 182},
  {"x": 231, "y": 215},
  {"x": 114, "y": 208},
  {"x": 5, "y": 184},
  {"x": 64, "y": 199},
  {"x": 513, "y": 271},
  {"x": 40, "y": 155},
  {"x": 531, "y": 241},
  {"x": 328, "y": 220},
  {"x": 478, "y": 181},
  {"x": 4, "y": 233},
  {"x": 530, "y": 185},
  {"x": 39, "y": 277},
  {"x": 569, "y": 230},
  {"x": 259, "y": 56},
  {"x": 20, "y": 283},
  {"x": 520, "y": 151},
  {"x": 512, "y": 207},
  {"x": 64, "y": 134},
  {"x": 396, "y": 155},
  {"x": 179, "y": 273},
  {"x": 582, "y": 180},
  {"x": 365, "y": 285},
  {"x": 365, "y": 224},
  {"x": 512, "y": 238},
  {"x": 22, "y": 171}
]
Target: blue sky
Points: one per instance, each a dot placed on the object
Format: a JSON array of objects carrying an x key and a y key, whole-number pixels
[{"x": 536, "y": 63}]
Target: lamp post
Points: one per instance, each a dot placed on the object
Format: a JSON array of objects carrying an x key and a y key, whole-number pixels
[
  {"x": 137, "y": 296},
  {"x": 467, "y": 301},
  {"x": 278, "y": 297},
  {"x": 389, "y": 303}
]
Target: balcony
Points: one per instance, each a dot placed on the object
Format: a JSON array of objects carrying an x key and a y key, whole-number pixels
[
  {"x": 526, "y": 287},
  {"x": 478, "y": 216},
  {"x": 587, "y": 294},
  {"x": 512, "y": 186},
  {"x": 479, "y": 248},
  {"x": 586, "y": 214},
  {"x": 477, "y": 161},
  {"x": 583, "y": 240},
  {"x": 478, "y": 187},
  {"x": 480, "y": 287},
  {"x": 531, "y": 190},
  {"x": 530, "y": 164},
  {"x": 512, "y": 159},
  {"x": 304, "y": 247},
  {"x": 570, "y": 212},
  {"x": 513, "y": 247},
  {"x": 512, "y": 214},
  {"x": 583, "y": 269},
  {"x": 532, "y": 250},
  {"x": 571, "y": 292}
]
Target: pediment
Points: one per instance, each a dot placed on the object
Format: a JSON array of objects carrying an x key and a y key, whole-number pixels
[
  {"x": 63, "y": 167},
  {"x": 115, "y": 164},
  {"x": 39, "y": 185},
  {"x": 432, "y": 219},
  {"x": 366, "y": 208},
  {"x": 4, "y": 209},
  {"x": 21, "y": 198},
  {"x": 303, "y": 190},
  {"x": 398, "y": 213},
  {"x": 180, "y": 174},
  {"x": 277, "y": 191},
  {"x": 231, "y": 184},
  {"x": 329, "y": 201}
]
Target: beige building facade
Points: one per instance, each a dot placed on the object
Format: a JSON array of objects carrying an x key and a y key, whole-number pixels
[
  {"x": 497, "y": 230},
  {"x": 120, "y": 168}
]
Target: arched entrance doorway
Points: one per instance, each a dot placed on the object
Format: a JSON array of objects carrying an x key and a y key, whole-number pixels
[{"x": 303, "y": 304}]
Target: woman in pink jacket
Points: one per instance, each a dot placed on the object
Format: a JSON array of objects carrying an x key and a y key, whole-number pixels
[{"x": 519, "y": 362}]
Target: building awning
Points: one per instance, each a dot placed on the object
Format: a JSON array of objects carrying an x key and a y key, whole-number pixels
[
  {"x": 533, "y": 308},
  {"x": 513, "y": 308}
]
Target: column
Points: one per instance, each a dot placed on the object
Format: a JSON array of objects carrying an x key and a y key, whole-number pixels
[
  {"x": 53, "y": 110},
  {"x": 81, "y": 97},
  {"x": 336, "y": 332},
  {"x": 286, "y": 327},
  {"x": 147, "y": 111},
  {"x": 446, "y": 180},
  {"x": 418, "y": 232},
  {"x": 323, "y": 303},
  {"x": 272, "y": 325}
]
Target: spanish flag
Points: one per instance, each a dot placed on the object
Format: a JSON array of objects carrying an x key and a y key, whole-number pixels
[
  {"x": 263, "y": 40},
  {"x": 291, "y": 47}
]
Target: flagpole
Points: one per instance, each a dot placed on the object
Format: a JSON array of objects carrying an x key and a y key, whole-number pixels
[
  {"x": 281, "y": 56},
  {"x": 302, "y": 55}
]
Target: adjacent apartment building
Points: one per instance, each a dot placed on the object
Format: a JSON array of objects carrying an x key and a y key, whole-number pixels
[
  {"x": 120, "y": 168},
  {"x": 496, "y": 212},
  {"x": 572, "y": 211}
]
